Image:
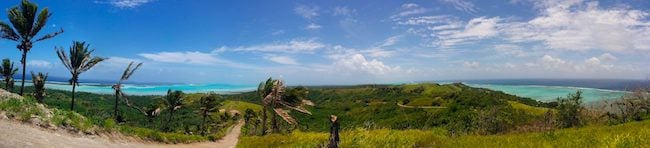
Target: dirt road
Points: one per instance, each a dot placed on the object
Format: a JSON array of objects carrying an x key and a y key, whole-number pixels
[{"x": 15, "y": 134}]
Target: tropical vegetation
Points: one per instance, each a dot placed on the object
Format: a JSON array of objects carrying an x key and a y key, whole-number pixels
[
  {"x": 26, "y": 23},
  {"x": 80, "y": 60},
  {"x": 39, "y": 86},
  {"x": 8, "y": 71}
]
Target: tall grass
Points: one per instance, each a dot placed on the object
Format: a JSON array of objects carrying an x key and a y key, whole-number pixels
[{"x": 626, "y": 135}]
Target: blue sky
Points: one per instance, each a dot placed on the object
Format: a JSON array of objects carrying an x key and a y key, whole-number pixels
[{"x": 349, "y": 42}]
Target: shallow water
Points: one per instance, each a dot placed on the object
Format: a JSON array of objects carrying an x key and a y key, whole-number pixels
[
  {"x": 131, "y": 89},
  {"x": 537, "y": 92},
  {"x": 551, "y": 93}
]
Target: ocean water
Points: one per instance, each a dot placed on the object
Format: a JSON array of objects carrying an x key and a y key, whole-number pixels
[
  {"x": 551, "y": 93},
  {"x": 141, "y": 89},
  {"x": 538, "y": 89}
]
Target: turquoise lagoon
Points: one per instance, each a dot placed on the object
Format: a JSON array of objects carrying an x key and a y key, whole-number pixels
[
  {"x": 137, "y": 89},
  {"x": 537, "y": 92},
  {"x": 551, "y": 93}
]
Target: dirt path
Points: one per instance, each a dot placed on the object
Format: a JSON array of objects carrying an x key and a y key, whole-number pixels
[
  {"x": 407, "y": 106},
  {"x": 15, "y": 134}
]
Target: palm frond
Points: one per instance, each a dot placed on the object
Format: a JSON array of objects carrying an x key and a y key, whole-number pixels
[
  {"x": 41, "y": 20},
  {"x": 91, "y": 63},
  {"x": 64, "y": 58},
  {"x": 7, "y": 32},
  {"x": 285, "y": 115},
  {"x": 29, "y": 13},
  {"x": 18, "y": 21},
  {"x": 49, "y": 36},
  {"x": 129, "y": 71}
]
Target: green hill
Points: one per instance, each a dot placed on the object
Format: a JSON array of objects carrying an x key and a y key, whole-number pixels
[
  {"x": 635, "y": 134},
  {"x": 376, "y": 106}
]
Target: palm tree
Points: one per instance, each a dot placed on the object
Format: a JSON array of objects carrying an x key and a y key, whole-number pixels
[
  {"x": 39, "y": 86},
  {"x": 263, "y": 89},
  {"x": 8, "y": 73},
  {"x": 25, "y": 28},
  {"x": 80, "y": 61},
  {"x": 118, "y": 87},
  {"x": 208, "y": 105},
  {"x": 174, "y": 101},
  {"x": 281, "y": 102}
]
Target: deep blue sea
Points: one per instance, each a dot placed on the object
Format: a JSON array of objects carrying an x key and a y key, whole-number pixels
[{"x": 539, "y": 89}]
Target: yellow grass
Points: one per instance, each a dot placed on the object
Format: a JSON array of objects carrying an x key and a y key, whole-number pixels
[{"x": 627, "y": 135}]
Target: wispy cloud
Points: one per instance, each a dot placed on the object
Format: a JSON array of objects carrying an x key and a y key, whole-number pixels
[
  {"x": 307, "y": 12},
  {"x": 409, "y": 9},
  {"x": 39, "y": 63},
  {"x": 281, "y": 59},
  {"x": 293, "y": 46},
  {"x": 462, "y": 5},
  {"x": 313, "y": 26},
  {"x": 578, "y": 25},
  {"x": 125, "y": 3}
]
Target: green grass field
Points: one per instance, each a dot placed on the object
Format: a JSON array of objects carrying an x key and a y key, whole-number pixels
[
  {"x": 636, "y": 134},
  {"x": 240, "y": 106}
]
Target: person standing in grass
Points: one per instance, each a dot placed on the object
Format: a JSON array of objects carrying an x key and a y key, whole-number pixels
[{"x": 334, "y": 132}]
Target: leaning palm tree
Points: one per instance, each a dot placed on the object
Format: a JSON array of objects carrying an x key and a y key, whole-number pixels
[
  {"x": 262, "y": 90},
  {"x": 173, "y": 101},
  {"x": 8, "y": 73},
  {"x": 118, "y": 86},
  {"x": 208, "y": 105},
  {"x": 25, "y": 27},
  {"x": 282, "y": 103},
  {"x": 39, "y": 86},
  {"x": 80, "y": 61}
]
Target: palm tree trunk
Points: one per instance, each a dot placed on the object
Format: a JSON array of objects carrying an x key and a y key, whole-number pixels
[
  {"x": 264, "y": 120},
  {"x": 171, "y": 114},
  {"x": 74, "y": 85},
  {"x": 117, "y": 97},
  {"x": 274, "y": 123},
  {"x": 24, "y": 62},
  {"x": 203, "y": 125},
  {"x": 7, "y": 84}
]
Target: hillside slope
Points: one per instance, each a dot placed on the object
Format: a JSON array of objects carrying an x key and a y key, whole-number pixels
[
  {"x": 16, "y": 134},
  {"x": 636, "y": 134}
]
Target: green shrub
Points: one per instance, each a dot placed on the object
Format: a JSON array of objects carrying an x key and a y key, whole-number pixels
[
  {"x": 24, "y": 108},
  {"x": 109, "y": 124}
]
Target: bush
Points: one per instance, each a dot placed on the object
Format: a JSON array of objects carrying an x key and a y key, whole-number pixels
[
  {"x": 24, "y": 108},
  {"x": 569, "y": 110},
  {"x": 109, "y": 124}
]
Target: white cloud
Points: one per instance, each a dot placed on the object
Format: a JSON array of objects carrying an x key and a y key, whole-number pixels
[
  {"x": 306, "y": 12},
  {"x": 410, "y": 5},
  {"x": 510, "y": 50},
  {"x": 551, "y": 62},
  {"x": 278, "y": 32},
  {"x": 282, "y": 59},
  {"x": 461, "y": 5},
  {"x": 343, "y": 11},
  {"x": 378, "y": 53},
  {"x": 471, "y": 64},
  {"x": 359, "y": 63},
  {"x": 39, "y": 63},
  {"x": 126, "y": 3},
  {"x": 293, "y": 46},
  {"x": 352, "y": 60},
  {"x": 607, "y": 57},
  {"x": 593, "y": 61},
  {"x": 446, "y": 31},
  {"x": 313, "y": 26},
  {"x": 189, "y": 57},
  {"x": 391, "y": 41},
  {"x": 579, "y": 25},
  {"x": 119, "y": 61},
  {"x": 409, "y": 9}
]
